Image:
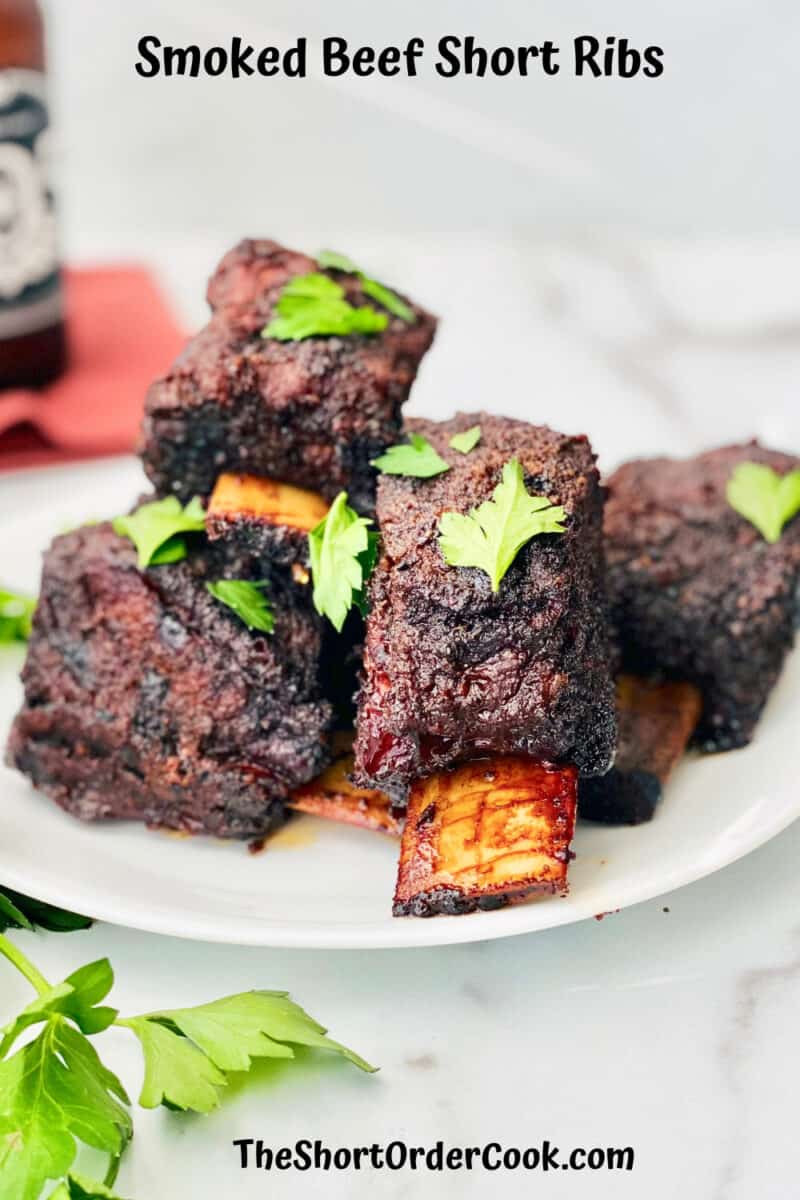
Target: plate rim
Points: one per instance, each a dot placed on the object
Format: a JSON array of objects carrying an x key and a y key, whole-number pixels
[{"x": 513, "y": 921}]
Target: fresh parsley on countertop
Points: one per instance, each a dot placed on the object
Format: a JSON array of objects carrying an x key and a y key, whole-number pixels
[
  {"x": 247, "y": 600},
  {"x": 416, "y": 457},
  {"x": 342, "y": 549},
  {"x": 55, "y": 1091},
  {"x": 334, "y": 261},
  {"x": 78, "y": 1187},
  {"x": 22, "y": 912},
  {"x": 16, "y": 614},
  {"x": 764, "y": 498},
  {"x": 491, "y": 535},
  {"x": 156, "y": 529},
  {"x": 315, "y": 306},
  {"x": 466, "y": 441}
]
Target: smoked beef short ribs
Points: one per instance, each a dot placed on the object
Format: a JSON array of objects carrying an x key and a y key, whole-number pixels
[
  {"x": 311, "y": 413},
  {"x": 147, "y": 699},
  {"x": 696, "y": 591},
  {"x": 453, "y": 671}
]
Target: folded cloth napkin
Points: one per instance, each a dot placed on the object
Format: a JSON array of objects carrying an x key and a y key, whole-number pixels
[{"x": 121, "y": 335}]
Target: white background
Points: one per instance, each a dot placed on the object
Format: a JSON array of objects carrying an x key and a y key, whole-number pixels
[{"x": 707, "y": 148}]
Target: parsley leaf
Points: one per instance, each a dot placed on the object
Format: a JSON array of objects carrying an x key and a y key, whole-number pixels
[
  {"x": 764, "y": 498},
  {"x": 389, "y": 299},
  {"x": 155, "y": 529},
  {"x": 342, "y": 556},
  {"x": 466, "y": 441},
  {"x": 54, "y": 1091},
  {"x": 415, "y": 457},
  {"x": 16, "y": 614},
  {"x": 78, "y": 1187},
  {"x": 367, "y": 559},
  {"x": 188, "y": 1051},
  {"x": 21, "y": 912},
  {"x": 247, "y": 601},
  {"x": 176, "y": 1073},
  {"x": 78, "y": 998},
  {"x": 315, "y": 306},
  {"x": 490, "y": 536}
]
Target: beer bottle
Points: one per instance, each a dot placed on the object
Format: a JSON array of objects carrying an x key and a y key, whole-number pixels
[{"x": 32, "y": 342}]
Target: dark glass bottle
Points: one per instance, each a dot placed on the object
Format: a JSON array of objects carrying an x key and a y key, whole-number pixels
[{"x": 32, "y": 341}]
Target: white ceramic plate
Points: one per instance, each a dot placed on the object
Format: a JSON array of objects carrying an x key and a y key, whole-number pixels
[{"x": 322, "y": 885}]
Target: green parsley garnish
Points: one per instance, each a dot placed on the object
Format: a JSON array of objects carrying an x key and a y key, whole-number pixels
[
  {"x": 156, "y": 528},
  {"x": 55, "y": 1092},
  {"x": 466, "y": 441},
  {"x": 247, "y": 600},
  {"x": 764, "y": 498},
  {"x": 415, "y": 457},
  {"x": 378, "y": 291},
  {"x": 490, "y": 536},
  {"x": 78, "y": 1187},
  {"x": 16, "y": 614},
  {"x": 342, "y": 549},
  {"x": 188, "y": 1051},
  {"x": 21, "y": 912},
  {"x": 315, "y": 306}
]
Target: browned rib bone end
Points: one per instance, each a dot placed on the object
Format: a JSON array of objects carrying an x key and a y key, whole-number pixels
[
  {"x": 333, "y": 796},
  {"x": 485, "y": 835},
  {"x": 251, "y": 497}
]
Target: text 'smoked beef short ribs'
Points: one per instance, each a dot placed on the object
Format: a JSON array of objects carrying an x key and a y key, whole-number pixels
[
  {"x": 147, "y": 699},
  {"x": 696, "y": 591},
  {"x": 311, "y": 412},
  {"x": 453, "y": 671}
]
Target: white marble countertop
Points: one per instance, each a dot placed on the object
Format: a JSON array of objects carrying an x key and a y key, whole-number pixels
[
  {"x": 674, "y": 1032},
  {"x": 670, "y": 1027}
]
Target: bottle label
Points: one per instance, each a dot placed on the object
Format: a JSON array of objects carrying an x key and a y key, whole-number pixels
[{"x": 30, "y": 294}]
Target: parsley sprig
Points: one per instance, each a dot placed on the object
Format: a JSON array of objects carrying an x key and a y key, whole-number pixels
[
  {"x": 78, "y": 1187},
  {"x": 247, "y": 600},
  {"x": 416, "y": 457},
  {"x": 157, "y": 528},
  {"x": 764, "y": 498},
  {"x": 466, "y": 441},
  {"x": 334, "y": 261},
  {"x": 16, "y": 615},
  {"x": 55, "y": 1091},
  {"x": 343, "y": 550},
  {"x": 315, "y": 306},
  {"x": 21, "y": 912},
  {"x": 491, "y": 535}
]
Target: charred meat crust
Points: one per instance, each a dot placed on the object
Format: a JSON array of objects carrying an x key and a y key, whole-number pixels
[
  {"x": 312, "y": 412},
  {"x": 487, "y": 834},
  {"x": 696, "y": 591},
  {"x": 146, "y": 699},
  {"x": 656, "y": 720},
  {"x": 453, "y": 671}
]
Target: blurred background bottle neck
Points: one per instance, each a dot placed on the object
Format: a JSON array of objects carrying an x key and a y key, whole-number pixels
[{"x": 32, "y": 342}]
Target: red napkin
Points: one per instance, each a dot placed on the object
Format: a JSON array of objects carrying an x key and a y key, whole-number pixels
[{"x": 121, "y": 335}]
